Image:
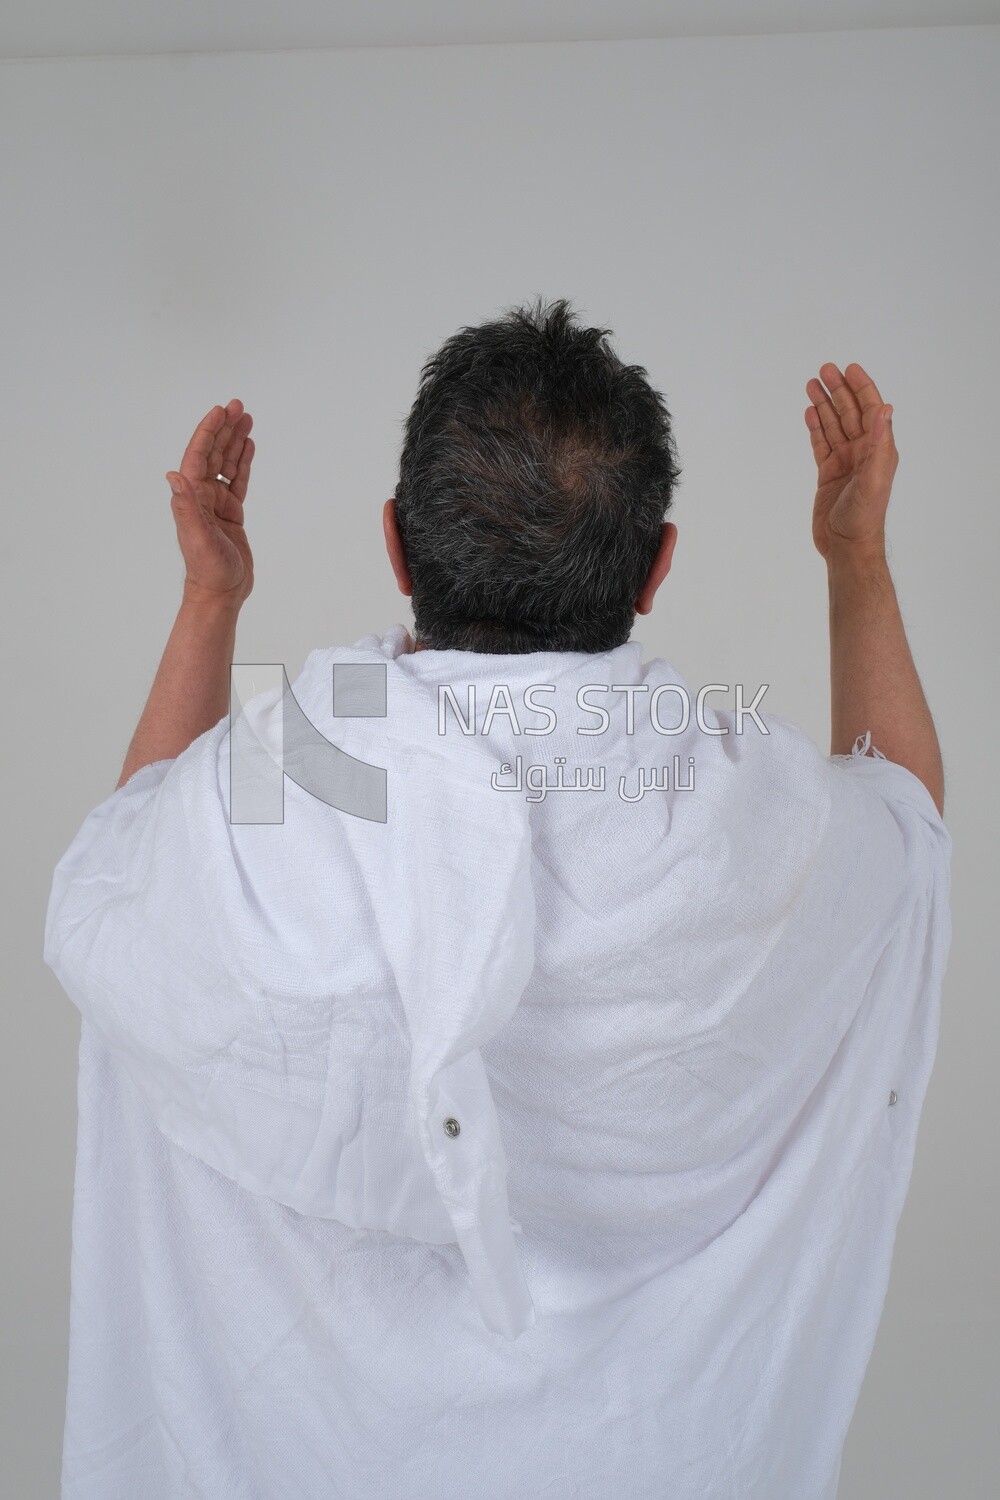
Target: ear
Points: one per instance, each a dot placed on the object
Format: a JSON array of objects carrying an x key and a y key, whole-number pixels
[
  {"x": 659, "y": 570},
  {"x": 394, "y": 547}
]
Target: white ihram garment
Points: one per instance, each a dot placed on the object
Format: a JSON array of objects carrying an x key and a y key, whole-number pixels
[{"x": 652, "y": 1260}]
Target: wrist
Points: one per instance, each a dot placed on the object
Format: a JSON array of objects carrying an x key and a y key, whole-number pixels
[
  {"x": 209, "y": 603},
  {"x": 846, "y": 558}
]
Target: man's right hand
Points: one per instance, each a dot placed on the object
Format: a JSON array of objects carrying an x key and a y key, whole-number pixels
[
  {"x": 852, "y": 441},
  {"x": 873, "y": 682}
]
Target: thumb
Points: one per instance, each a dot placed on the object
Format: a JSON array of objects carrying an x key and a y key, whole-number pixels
[
  {"x": 181, "y": 488},
  {"x": 879, "y": 466},
  {"x": 183, "y": 500}
]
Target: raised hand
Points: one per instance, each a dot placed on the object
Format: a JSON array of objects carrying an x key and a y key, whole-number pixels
[
  {"x": 209, "y": 490},
  {"x": 851, "y": 432}
]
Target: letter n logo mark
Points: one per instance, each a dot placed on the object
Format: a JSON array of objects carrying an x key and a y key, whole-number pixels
[{"x": 271, "y": 738}]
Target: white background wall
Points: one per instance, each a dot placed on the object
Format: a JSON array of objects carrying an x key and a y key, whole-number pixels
[{"x": 301, "y": 230}]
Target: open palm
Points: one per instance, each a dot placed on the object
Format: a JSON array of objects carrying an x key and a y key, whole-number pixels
[
  {"x": 209, "y": 490},
  {"x": 856, "y": 458}
]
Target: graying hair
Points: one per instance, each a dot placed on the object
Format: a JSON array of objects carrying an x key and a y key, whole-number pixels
[{"x": 534, "y": 479}]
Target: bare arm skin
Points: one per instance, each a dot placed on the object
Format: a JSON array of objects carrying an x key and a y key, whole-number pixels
[
  {"x": 873, "y": 680},
  {"x": 190, "y": 691}
]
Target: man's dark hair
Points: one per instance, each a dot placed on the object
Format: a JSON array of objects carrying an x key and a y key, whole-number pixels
[{"x": 534, "y": 478}]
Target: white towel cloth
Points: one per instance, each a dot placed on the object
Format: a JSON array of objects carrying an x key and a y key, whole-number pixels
[{"x": 652, "y": 1257}]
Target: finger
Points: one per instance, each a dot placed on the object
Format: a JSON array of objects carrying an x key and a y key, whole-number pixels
[
  {"x": 866, "y": 393},
  {"x": 844, "y": 399},
  {"x": 820, "y": 446},
  {"x": 234, "y": 448},
  {"x": 231, "y": 415},
  {"x": 827, "y": 413},
  {"x": 238, "y": 485},
  {"x": 195, "y": 463}
]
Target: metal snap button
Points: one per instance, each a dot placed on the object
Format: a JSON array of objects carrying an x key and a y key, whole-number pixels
[
  {"x": 892, "y": 1096},
  {"x": 451, "y": 1126}
]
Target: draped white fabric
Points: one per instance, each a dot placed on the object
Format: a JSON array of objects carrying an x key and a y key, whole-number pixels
[{"x": 651, "y": 1256}]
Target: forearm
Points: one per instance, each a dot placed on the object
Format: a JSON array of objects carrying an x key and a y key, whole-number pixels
[
  {"x": 190, "y": 691},
  {"x": 873, "y": 680}
]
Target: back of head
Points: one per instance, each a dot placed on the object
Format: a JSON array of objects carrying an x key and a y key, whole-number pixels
[{"x": 535, "y": 476}]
